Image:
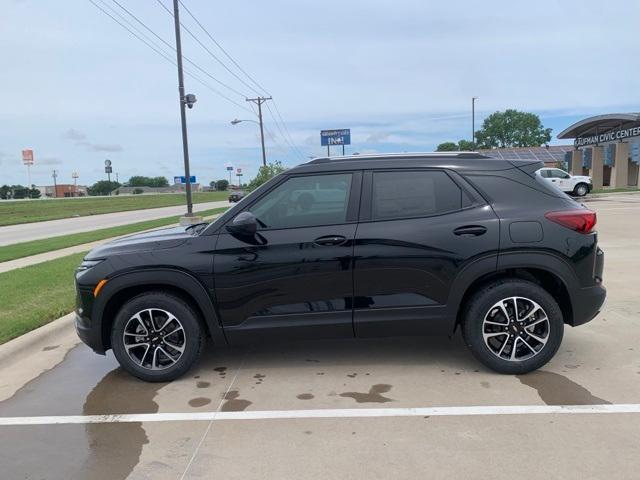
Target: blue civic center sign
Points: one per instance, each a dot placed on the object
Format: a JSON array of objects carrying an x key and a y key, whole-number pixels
[
  {"x": 183, "y": 179},
  {"x": 335, "y": 137}
]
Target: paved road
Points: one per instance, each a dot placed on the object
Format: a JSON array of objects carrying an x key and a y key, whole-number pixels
[
  {"x": 55, "y": 228},
  {"x": 598, "y": 364}
]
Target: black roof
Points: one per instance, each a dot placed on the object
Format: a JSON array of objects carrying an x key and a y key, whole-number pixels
[{"x": 453, "y": 160}]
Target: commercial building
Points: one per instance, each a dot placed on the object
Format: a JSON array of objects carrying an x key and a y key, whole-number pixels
[
  {"x": 607, "y": 148},
  {"x": 63, "y": 190}
]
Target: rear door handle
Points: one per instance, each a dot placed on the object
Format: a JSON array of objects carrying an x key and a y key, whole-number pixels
[
  {"x": 470, "y": 231},
  {"x": 330, "y": 240}
]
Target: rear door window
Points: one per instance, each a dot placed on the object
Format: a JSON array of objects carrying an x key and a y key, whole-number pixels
[{"x": 402, "y": 194}]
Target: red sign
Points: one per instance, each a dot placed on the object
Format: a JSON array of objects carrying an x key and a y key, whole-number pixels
[
  {"x": 238, "y": 171},
  {"x": 27, "y": 157}
]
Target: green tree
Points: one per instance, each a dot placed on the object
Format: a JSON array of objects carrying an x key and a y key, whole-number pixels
[
  {"x": 103, "y": 187},
  {"x": 6, "y": 192},
  {"x": 34, "y": 192},
  {"x": 141, "y": 181},
  {"x": 221, "y": 185},
  {"x": 266, "y": 172},
  {"x": 512, "y": 128},
  {"x": 461, "y": 146},
  {"x": 447, "y": 147}
]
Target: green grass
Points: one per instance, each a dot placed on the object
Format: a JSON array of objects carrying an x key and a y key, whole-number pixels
[
  {"x": 26, "y": 249},
  {"x": 33, "y": 296},
  {"x": 25, "y": 211}
]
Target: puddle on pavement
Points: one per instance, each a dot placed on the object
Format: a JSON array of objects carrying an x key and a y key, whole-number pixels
[
  {"x": 199, "y": 402},
  {"x": 374, "y": 395},
  {"x": 305, "y": 396},
  {"x": 556, "y": 389},
  {"x": 92, "y": 451},
  {"x": 233, "y": 402}
]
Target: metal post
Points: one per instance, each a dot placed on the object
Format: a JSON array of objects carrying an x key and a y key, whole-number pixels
[
  {"x": 473, "y": 122},
  {"x": 328, "y": 151},
  {"x": 55, "y": 185},
  {"x": 183, "y": 114},
  {"x": 343, "y": 149}
]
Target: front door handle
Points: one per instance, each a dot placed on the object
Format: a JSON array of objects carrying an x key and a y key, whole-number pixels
[
  {"x": 330, "y": 240},
  {"x": 470, "y": 231}
]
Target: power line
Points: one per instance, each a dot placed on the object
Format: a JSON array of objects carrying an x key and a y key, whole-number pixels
[
  {"x": 174, "y": 49},
  {"x": 163, "y": 54},
  {"x": 213, "y": 55},
  {"x": 222, "y": 49},
  {"x": 280, "y": 123}
]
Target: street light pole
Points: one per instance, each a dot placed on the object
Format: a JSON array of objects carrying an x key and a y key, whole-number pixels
[
  {"x": 473, "y": 122},
  {"x": 55, "y": 186},
  {"x": 183, "y": 113},
  {"x": 260, "y": 101}
]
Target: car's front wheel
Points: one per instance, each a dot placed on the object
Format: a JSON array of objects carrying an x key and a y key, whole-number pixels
[
  {"x": 513, "y": 326},
  {"x": 581, "y": 189},
  {"x": 157, "y": 337}
]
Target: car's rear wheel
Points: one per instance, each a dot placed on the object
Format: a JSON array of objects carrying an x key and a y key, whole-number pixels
[
  {"x": 157, "y": 337},
  {"x": 513, "y": 326},
  {"x": 581, "y": 189}
]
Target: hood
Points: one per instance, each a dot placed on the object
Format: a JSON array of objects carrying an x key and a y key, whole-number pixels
[{"x": 154, "y": 240}]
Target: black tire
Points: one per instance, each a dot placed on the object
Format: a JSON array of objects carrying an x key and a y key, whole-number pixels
[
  {"x": 191, "y": 339},
  {"x": 482, "y": 305},
  {"x": 581, "y": 189}
]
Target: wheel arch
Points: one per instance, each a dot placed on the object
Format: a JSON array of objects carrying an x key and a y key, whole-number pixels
[
  {"x": 546, "y": 270},
  {"x": 125, "y": 286}
]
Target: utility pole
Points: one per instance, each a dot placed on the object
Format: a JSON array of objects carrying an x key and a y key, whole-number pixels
[
  {"x": 185, "y": 101},
  {"x": 75, "y": 176},
  {"x": 55, "y": 185},
  {"x": 473, "y": 122},
  {"x": 260, "y": 101}
]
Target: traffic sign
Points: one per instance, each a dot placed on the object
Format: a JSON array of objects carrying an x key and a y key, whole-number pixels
[
  {"x": 183, "y": 179},
  {"x": 335, "y": 137},
  {"x": 108, "y": 169},
  {"x": 107, "y": 163}
]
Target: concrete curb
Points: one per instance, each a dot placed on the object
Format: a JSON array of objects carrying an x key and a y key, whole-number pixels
[{"x": 35, "y": 340}]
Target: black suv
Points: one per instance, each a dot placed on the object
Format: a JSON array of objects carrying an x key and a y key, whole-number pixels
[{"x": 362, "y": 246}]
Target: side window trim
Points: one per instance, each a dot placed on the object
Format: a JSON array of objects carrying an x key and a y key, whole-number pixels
[{"x": 366, "y": 206}]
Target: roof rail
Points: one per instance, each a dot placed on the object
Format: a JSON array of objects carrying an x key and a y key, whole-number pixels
[{"x": 382, "y": 156}]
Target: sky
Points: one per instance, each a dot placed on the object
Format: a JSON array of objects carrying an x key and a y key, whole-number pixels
[{"x": 77, "y": 88}]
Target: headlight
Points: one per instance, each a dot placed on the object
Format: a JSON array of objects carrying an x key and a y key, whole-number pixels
[{"x": 87, "y": 264}]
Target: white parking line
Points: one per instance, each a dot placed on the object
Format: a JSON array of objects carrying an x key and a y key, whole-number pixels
[{"x": 323, "y": 413}]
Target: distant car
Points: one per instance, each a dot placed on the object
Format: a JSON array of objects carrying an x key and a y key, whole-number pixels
[
  {"x": 236, "y": 196},
  {"x": 578, "y": 185}
]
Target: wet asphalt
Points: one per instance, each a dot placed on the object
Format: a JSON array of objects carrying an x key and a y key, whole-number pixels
[{"x": 598, "y": 363}]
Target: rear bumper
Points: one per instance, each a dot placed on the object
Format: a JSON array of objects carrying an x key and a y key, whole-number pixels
[{"x": 587, "y": 303}]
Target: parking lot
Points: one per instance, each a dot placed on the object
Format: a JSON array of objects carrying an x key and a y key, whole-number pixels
[{"x": 322, "y": 409}]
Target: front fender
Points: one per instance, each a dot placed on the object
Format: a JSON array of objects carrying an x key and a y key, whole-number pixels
[{"x": 158, "y": 277}]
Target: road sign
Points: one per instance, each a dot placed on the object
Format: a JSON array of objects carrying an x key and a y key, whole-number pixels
[
  {"x": 238, "y": 171},
  {"x": 107, "y": 163},
  {"x": 108, "y": 169},
  {"x": 27, "y": 157},
  {"x": 229, "y": 168},
  {"x": 183, "y": 179},
  {"x": 335, "y": 137}
]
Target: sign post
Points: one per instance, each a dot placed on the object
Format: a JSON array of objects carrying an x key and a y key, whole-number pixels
[
  {"x": 230, "y": 170},
  {"x": 335, "y": 137},
  {"x": 27, "y": 159},
  {"x": 108, "y": 169},
  {"x": 75, "y": 176}
]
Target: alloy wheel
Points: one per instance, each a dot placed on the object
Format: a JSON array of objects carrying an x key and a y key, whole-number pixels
[
  {"x": 515, "y": 329},
  {"x": 154, "y": 339}
]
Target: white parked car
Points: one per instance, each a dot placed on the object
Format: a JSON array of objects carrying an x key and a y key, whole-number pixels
[{"x": 578, "y": 185}]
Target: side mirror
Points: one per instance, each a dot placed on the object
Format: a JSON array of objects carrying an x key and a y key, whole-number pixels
[{"x": 244, "y": 224}]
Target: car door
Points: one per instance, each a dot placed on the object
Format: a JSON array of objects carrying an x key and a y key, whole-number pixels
[
  {"x": 561, "y": 179},
  {"x": 418, "y": 230},
  {"x": 295, "y": 278}
]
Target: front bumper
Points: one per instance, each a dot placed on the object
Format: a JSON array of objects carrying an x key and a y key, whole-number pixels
[{"x": 88, "y": 333}]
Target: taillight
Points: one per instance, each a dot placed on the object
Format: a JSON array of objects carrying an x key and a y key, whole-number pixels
[{"x": 582, "y": 221}]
